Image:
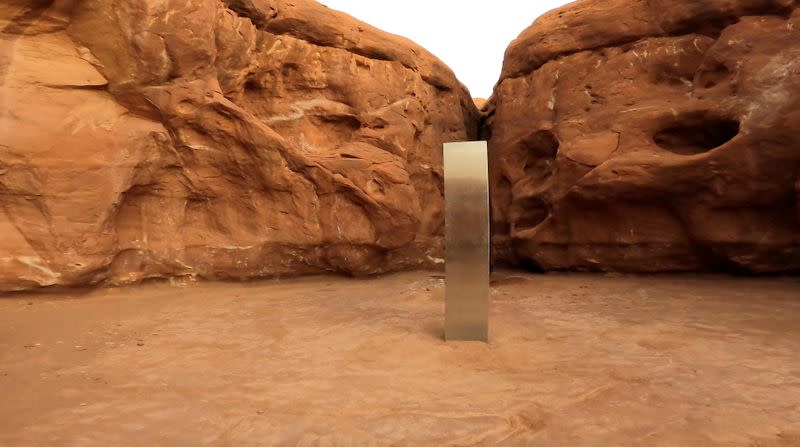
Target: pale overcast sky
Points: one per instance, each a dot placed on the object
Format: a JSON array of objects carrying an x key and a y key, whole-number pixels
[{"x": 468, "y": 35}]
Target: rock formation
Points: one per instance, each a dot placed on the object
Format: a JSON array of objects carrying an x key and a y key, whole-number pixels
[
  {"x": 650, "y": 136},
  {"x": 216, "y": 138},
  {"x": 232, "y": 139}
]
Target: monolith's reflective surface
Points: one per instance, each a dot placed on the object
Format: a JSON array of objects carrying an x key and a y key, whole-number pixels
[{"x": 466, "y": 183}]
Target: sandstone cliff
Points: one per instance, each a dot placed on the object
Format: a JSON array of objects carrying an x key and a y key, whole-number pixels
[
  {"x": 650, "y": 136},
  {"x": 233, "y": 139},
  {"x": 216, "y": 138}
]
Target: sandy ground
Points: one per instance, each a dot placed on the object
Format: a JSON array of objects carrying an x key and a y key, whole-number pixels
[{"x": 575, "y": 360}]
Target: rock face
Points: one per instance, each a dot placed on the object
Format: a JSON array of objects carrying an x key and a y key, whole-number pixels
[
  {"x": 218, "y": 139},
  {"x": 650, "y": 136}
]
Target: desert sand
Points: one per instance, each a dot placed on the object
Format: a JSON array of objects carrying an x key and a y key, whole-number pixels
[{"x": 574, "y": 359}]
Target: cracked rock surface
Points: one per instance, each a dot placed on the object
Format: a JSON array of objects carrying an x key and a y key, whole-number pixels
[
  {"x": 650, "y": 136},
  {"x": 223, "y": 139}
]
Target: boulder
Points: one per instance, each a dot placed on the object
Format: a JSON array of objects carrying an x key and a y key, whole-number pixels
[
  {"x": 220, "y": 139},
  {"x": 653, "y": 136}
]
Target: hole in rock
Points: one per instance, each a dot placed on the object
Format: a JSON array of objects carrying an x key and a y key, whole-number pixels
[
  {"x": 532, "y": 213},
  {"x": 345, "y": 123},
  {"x": 377, "y": 123},
  {"x": 542, "y": 147},
  {"x": 708, "y": 77},
  {"x": 504, "y": 186},
  {"x": 696, "y": 133},
  {"x": 542, "y": 143},
  {"x": 530, "y": 265},
  {"x": 251, "y": 84},
  {"x": 709, "y": 23}
]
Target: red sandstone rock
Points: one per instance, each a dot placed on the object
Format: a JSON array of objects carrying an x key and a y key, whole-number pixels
[
  {"x": 218, "y": 139},
  {"x": 650, "y": 136},
  {"x": 247, "y": 138}
]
